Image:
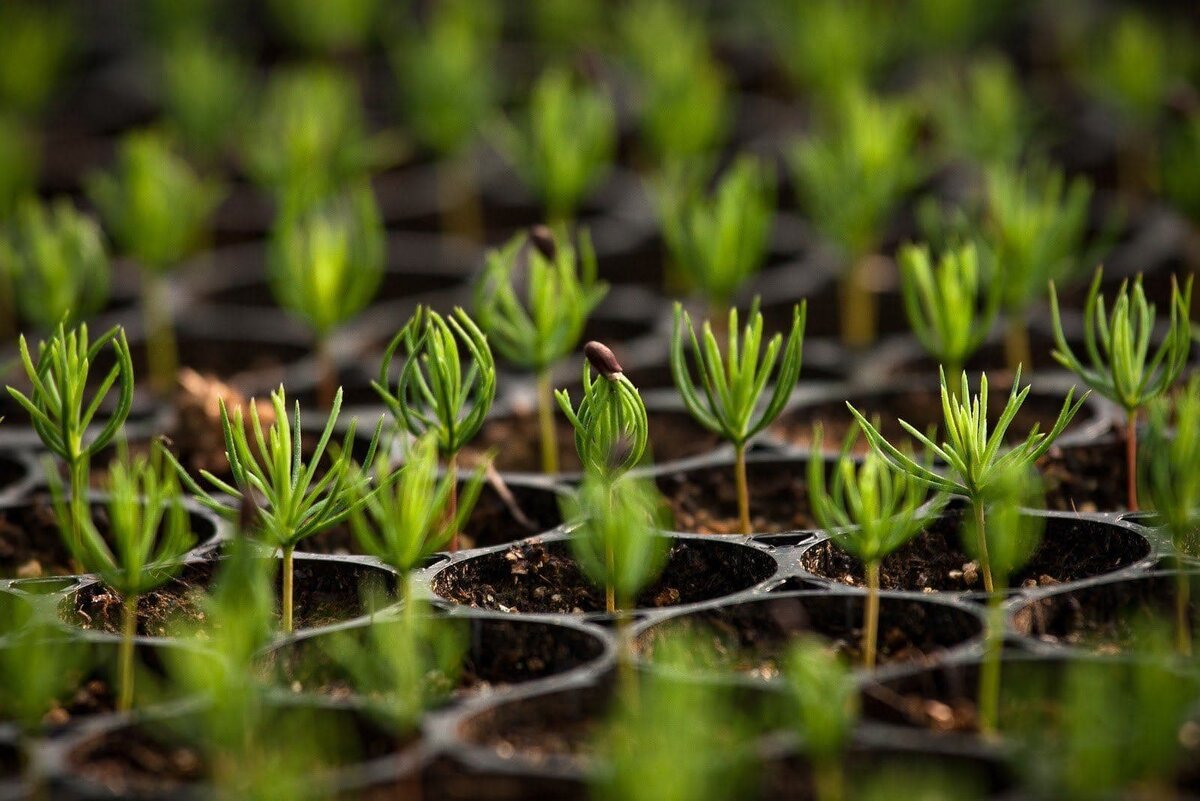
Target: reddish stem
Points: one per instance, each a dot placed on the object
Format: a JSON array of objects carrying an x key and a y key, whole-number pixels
[{"x": 1131, "y": 461}]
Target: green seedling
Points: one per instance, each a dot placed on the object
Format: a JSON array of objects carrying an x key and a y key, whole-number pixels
[
  {"x": 851, "y": 178},
  {"x": 418, "y": 515},
  {"x": 563, "y": 147},
  {"x": 951, "y": 305},
  {"x": 1117, "y": 347},
  {"x": 325, "y": 266},
  {"x": 157, "y": 209},
  {"x": 439, "y": 391},
  {"x": 870, "y": 510},
  {"x": 564, "y": 30},
  {"x": 1034, "y": 228},
  {"x": 451, "y": 55},
  {"x": 732, "y": 403},
  {"x": 147, "y": 534},
  {"x": 55, "y": 260},
  {"x": 683, "y": 99},
  {"x": 61, "y": 414},
  {"x": 205, "y": 94},
  {"x": 829, "y": 47},
  {"x": 38, "y": 43},
  {"x": 534, "y": 333},
  {"x": 1180, "y": 172},
  {"x": 320, "y": 27},
  {"x": 20, "y": 161},
  {"x": 293, "y": 502},
  {"x": 719, "y": 241},
  {"x": 617, "y": 544},
  {"x": 1170, "y": 454},
  {"x": 983, "y": 115},
  {"x": 977, "y": 458},
  {"x": 824, "y": 697},
  {"x": 611, "y": 425}
]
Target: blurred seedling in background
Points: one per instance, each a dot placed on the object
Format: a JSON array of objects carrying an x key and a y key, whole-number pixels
[
  {"x": 1180, "y": 171},
  {"x": 39, "y": 41},
  {"x": 982, "y": 115},
  {"x": 321, "y": 28},
  {"x": 325, "y": 266},
  {"x": 729, "y": 400},
  {"x": 147, "y": 533},
  {"x": 446, "y": 387},
  {"x": 20, "y": 161},
  {"x": 718, "y": 241},
  {"x": 951, "y": 304},
  {"x": 824, "y": 703},
  {"x": 851, "y": 176},
  {"x": 54, "y": 263},
  {"x": 157, "y": 210},
  {"x": 611, "y": 425},
  {"x": 558, "y": 281},
  {"x": 206, "y": 92},
  {"x": 871, "y": 508},
  {"x": 562, "y": 143},
  {"x": 62, "y": 415},
  {"x": 294, "y": 501},
  {"x": 1119, "y": 364}
]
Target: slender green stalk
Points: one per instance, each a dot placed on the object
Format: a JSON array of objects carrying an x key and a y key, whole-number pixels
[
  {"x": 125, "y": 656},
  {"x": 743, "y": 490},
  {"x": 860, "y": 307},
  {"x": 985, "y": 563},
  {"x": 549, "y": 433},
  {"x": 286, "y": 594},
  {"x": 871, "y": 630},
  {"x": 989, "y": 669},
  {"x": 161, "y": 347}
]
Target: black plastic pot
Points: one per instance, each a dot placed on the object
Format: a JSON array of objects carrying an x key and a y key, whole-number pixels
[
  {"x": 327, "y": 591},
  {"x": 750, "y": 636},
  {"x": 19, "y": 472},
  {"x": 1073, "y": 547},
  {"x": 539, "y": 575}
]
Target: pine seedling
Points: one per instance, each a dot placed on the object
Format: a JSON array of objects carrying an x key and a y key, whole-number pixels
[
  {"x": 61, "y": 414},
  {"x": 1034, "y": 226},
  {"x": 1117, "y": 347},
  {"x": 732, "y": 404},
  {"x": 870, "y": 510},
  {"x": 851, "y": 178},
  {"x": 1171, "y": 452},
  {"x": 293, "y": 503},
  {"x": 564, "y": 146},
  {"x": 418, "y": 515},
  {"x": 323, "y": 28},
  {"x": 205, "y": 94},
  {"x": 824, "y": 697},
  {"x": 951, "y": 305},
  {"x": 977, "y": 458},
  {"x": 611, "y": 425},
  {"x": 617, "y": 544},
  {"x": 325, "y": 266},
  {"x": 983, "y": 115},
  {"x": 20, "y": 163},
  {"x": 446, "y": 386},
  {"x": 719, "y": 241},
  {"x": 55, "y": 260},
  {"x": 157, "y": 209},
  {"x": 536, "y": 332},
  {"x": 148, "y": 533},
  {"x": 38, "y": 44}
]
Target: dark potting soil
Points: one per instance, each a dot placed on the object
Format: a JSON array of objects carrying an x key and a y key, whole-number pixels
[
  {"x": 93, "y": 696},
  {"x": 539, "y": 577},
  {"x": 704, "y": 500},
  {"x": 10, "y": 760},
  {"x": 324, "y": 592},
  {"x": 1086, "y": 477},
  {"x": 515, "y": 441},
  {"x": 31, "y": 544},
  {"x": 934, "y": 560}
]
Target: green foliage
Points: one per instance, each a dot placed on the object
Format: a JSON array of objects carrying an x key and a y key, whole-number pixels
[
  {"x": 719, "y": 241},
  {"x": 561, "y": 291},
  {"x": 683, "y": 101},
  {"x": 1170, "y": 454},
  {"x": 309, "y": 138},
  {"x": 563, "y": 145},
  {"x": 1134, "y": 63},
  {"x": 419, "y": 514},
  {"x": 293, "y": 502},
  {"x": 828, "y": 46},
  {"x": 318, "y": 26},
  {"x": 205, "y": 94},
  {"x": 148, "y": 529},
  {"x": 1010, "y": 536},
  {"x": 824, "y": 696},
  {"x": 20, "y": 159},
  {"x": 42, "y": 666},
  {"x": 611, "y": 425},
  {"x": 1117, "y": 343},
  {"x": 405, "y": 665},
  {"x": 856, "y": 169},
  {"x": 56, "y": 260},
  {"x": 326, "y": 262},
  {"x": 155, "y": 207},
  {"x": 1180, "y": 171},
  {"x": 951, "y": 305},
  {"x": 618, "y": 545},
  {"x": 438, "y": 390},
  {"x": 567, "y": 29},
  {"x": 982, "y": 115},
  {"x": 451, "y": 56},
  {"x": 732, "y": 404},
  {"x": 37, "y": 44}
]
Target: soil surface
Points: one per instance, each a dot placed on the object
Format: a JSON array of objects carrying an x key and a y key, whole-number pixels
[
  {"x": 325, "y": 592},
  {"x": 703, "y": 500},
  {"x": 1086, "y": 478},
  {"x": 935, "y": 560},
  {"x": 11, "y": 471},
  {"x": 539, "y": 577}
]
